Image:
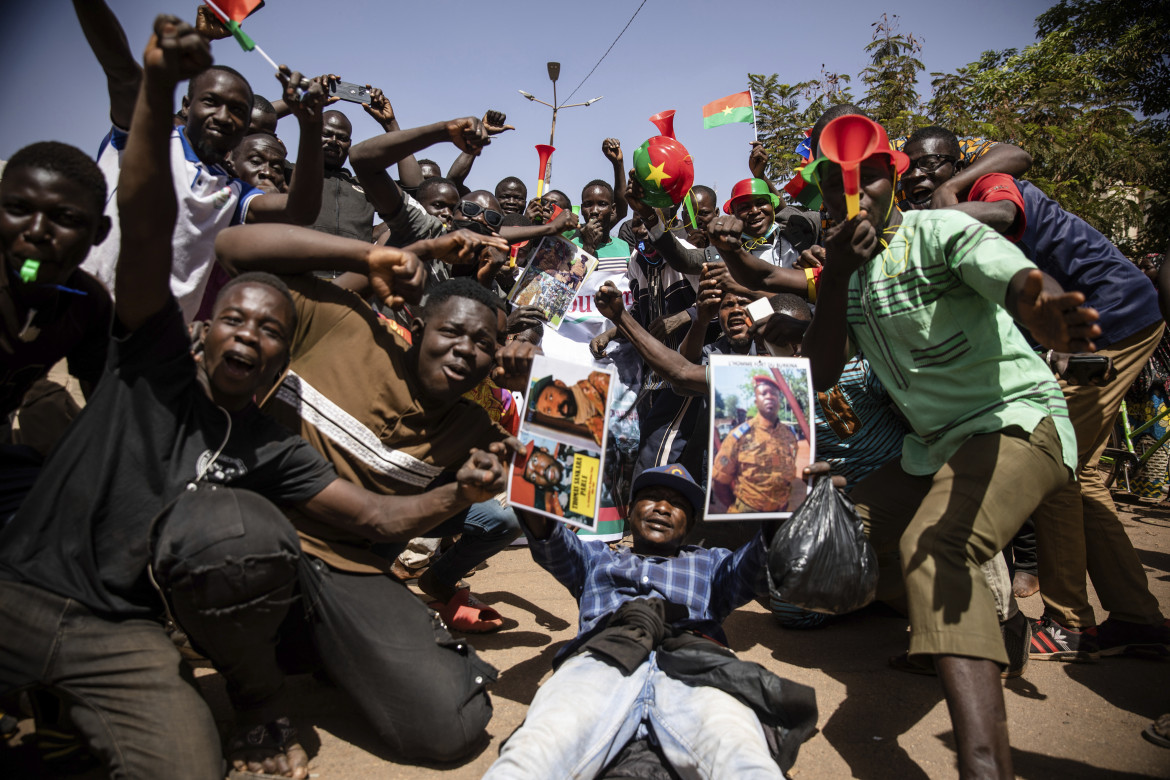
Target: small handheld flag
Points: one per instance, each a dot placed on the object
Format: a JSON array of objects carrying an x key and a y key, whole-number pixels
[
  {"x": 728, "y": 110},
  {"x": 238, "y": 10}
]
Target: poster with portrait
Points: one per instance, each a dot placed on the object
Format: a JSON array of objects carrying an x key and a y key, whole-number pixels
[
  {"x": 556, "y": 269},
  {"x": 563, "y": 429},
  {"x": 763, "y": 436}
]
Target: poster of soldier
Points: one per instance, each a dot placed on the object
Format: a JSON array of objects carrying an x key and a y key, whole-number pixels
[
  {"x": 563, "y": 432},
  {"x": 762, "y": 436}
]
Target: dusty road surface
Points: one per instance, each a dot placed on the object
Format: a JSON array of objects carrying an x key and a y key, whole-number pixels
[{"x": 1067, "y": 721}]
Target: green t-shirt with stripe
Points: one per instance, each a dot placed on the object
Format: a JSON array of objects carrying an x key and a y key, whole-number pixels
[{"x": 928, "y": 314}]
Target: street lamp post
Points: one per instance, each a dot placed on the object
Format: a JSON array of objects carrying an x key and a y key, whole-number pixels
[{"x": 554, "y": 72}]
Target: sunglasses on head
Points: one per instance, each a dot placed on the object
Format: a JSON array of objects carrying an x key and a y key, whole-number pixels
[
  {"x": 931, "y": 162},
  {"x": 472, "y": 210}
]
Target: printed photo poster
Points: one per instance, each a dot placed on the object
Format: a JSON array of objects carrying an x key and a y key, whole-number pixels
[
  {"x": 556, "y": 269},
  {"x": 762, "y": 436},
  {"x": 563, "y": 431}
]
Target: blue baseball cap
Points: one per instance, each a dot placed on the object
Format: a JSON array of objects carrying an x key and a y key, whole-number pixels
[{"x": 676, "y": 476}]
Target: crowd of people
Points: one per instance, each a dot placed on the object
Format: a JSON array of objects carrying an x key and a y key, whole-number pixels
[{"x": 246, "y": 401}]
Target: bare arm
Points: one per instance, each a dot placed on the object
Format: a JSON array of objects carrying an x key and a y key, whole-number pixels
[
  {"x": 146, "y": 193},
  {"x": 460, "y": 170},
  {"x": 707, "y": 306},
  {"x": 684, "y": 376},
  {"x": 612, "y": 149},
  {"x": 372, "y": 157},
  {"x": 749, "y": 270},
  {"x": 302, "y": 203},
  {"x": 108, "y": 42},
  {"x": 1000, "y": 215},
  {"x": 401, "y": 518},
  {"x": 1001, "y": 158},
  {"x": 1055, "y": 318},
  {"x": 514, "y": 234}
]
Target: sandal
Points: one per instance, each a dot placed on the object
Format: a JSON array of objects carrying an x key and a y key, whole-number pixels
[
  {"x": 269, "y": 750},
  {"x": 465, "y": 614},
  {"x": 1158, "y": 732}
]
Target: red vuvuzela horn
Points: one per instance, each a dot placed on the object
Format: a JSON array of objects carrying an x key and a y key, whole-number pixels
[
  {"x": 664, "y": 121},
  {"x": 545, "y": 151}
]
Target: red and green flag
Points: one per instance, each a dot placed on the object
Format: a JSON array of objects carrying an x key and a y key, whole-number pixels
[{"x": 728, "y": 110}]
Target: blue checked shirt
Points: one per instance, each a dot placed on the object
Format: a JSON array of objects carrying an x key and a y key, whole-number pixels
[{"x": 710, "y": 583}]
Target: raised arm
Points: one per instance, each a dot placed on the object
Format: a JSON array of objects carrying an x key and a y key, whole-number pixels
[
  {"x": 379, "y": 107},
  {"x": 748, "y": 270},
  {"x": 1001, "y": 158},
  {"x": 706, "y": 308},
  {"x": 612, "y": 149},
  {"x": 758, "y": 165},
  {"x": 302, "y": 203},
  {"x": 685, "y": 377},
  {"x": 108, "y": 42},
  {"x": 682, "y": 259},
  {"x": 848, "y": 245},
  {"x": 396, "y": 275},
  {"x": 372, "y": 157},
  {"x": 146, "y": 193}
]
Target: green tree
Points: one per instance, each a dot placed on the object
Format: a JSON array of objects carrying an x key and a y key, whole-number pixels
[
  {"x": 891, "y": 79},
  {"x": 785, "y": 111}
]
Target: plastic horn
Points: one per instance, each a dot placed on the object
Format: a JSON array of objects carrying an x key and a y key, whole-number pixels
[
  {"x": 848, "y": 140},
  {"x": 664, "y": 121},
  {"x": 545, "y": 151}
]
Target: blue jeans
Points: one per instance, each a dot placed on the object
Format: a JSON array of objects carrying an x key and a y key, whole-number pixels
[
  {"x": 486, "y": 529},
  {"x": 583, "y": 715}
]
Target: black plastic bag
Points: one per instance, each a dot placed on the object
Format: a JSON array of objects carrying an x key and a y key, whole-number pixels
[{"x": 820, "y": 559}]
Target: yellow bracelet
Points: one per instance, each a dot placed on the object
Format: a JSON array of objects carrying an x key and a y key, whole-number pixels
[{"x": 812, "y": 284}]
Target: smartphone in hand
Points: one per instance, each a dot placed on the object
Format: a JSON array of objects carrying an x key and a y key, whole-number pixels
[{"x": 354, "y": 93}]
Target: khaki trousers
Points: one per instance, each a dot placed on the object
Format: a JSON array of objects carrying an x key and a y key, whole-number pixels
[
  {"x": 1077, "y": 530},
  {"x": 947, "y": 525}
]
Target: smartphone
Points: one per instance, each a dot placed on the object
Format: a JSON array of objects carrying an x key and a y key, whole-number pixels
[
  {"x": 354, "y": 93},
  {"x": 1083, "y": 369}
]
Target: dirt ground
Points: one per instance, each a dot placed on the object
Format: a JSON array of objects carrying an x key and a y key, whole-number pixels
[{"x": 1067, "y": 721}]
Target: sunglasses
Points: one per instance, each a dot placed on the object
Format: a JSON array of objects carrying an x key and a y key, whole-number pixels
[
  {"x": 472, "y": 210},
  {"x": 931, "y": 162}
]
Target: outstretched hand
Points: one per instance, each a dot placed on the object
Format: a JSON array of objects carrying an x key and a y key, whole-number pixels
[
  {"x": 304, "y": 97},
  {"x": 634, "y": 196},
  {"x": 468, "y": 134},
  {"x": 612, "y": 149},
  {"x": 493, "y": 122},
  {"x": 608, "y": 300},
  {"x": 850, "y": 244},
  {"x": 396, "y": 276},
  {"x": 1058, "y": 321},
  {"x": 758, "y": 159},
  {"x": 209, "y": 26},
  {"x": 725, "y": 232},
  {"x": 514, "y": 364},
  {"x": 481, "y": 477},
  {"x": 175, "y": 52},
  {"x": 465, "y": 246},
  {"x": 379, "y": 106}
]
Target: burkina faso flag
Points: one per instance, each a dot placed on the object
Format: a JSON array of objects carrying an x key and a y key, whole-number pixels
[{"x": 725, "y": 111}]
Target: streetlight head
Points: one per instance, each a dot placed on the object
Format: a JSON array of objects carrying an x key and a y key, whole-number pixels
[
  {"x": 554, "y": 70},
  {"x": 525, "y": 94},
  {"x": 593, "y": 100}
]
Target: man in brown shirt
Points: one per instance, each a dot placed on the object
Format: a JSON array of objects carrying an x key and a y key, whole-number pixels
[{"x": 386, "y": 408}]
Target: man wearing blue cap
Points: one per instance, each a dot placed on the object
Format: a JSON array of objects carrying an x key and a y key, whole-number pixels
[{"x": 649, "y": 644}]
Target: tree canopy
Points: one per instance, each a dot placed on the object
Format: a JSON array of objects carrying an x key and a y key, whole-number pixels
[{"x": 1088, "y": 101}]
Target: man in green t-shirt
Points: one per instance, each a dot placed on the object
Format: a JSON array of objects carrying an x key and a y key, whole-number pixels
[{"x": 929, "y": 298}]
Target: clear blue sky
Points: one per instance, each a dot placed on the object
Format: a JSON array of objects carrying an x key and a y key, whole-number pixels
[{"x": 438, "y": 60}]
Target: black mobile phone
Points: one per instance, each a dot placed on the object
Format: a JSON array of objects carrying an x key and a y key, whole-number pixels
[
  {"x": 1083, "y": 369},
  {"x": 354, "y": 93}
]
